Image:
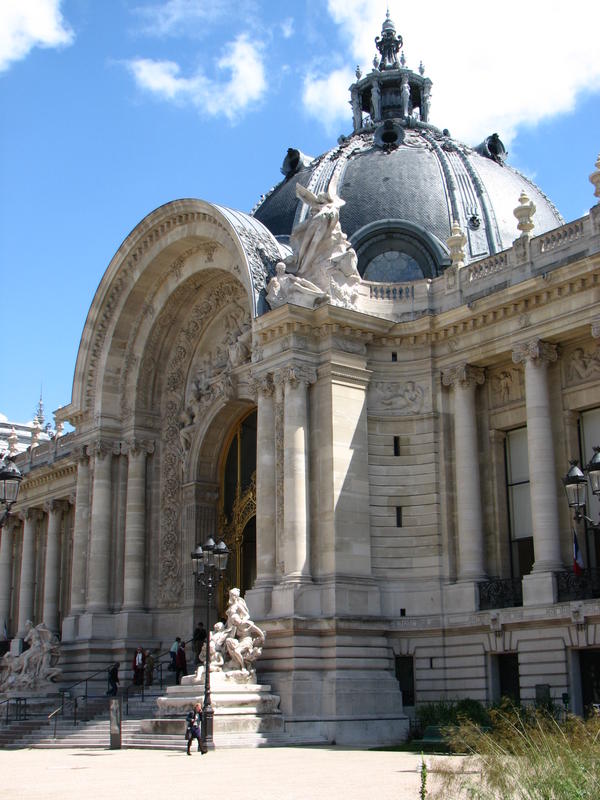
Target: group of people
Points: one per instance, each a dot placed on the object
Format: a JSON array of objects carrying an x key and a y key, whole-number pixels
[{"x": 143, "y": 667}]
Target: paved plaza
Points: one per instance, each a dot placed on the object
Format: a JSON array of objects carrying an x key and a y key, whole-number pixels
[{"x": 323, "y": 773}]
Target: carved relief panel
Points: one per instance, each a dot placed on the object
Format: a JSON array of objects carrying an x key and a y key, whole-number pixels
[
  {"x": 506, "y": 386},
  {"x": 581, "y": 364}
]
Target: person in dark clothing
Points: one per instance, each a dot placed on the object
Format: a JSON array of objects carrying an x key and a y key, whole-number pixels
[
  {"x": 194, "y": 727},
  {"x": 139, "y": 662},
  {"x": 199, "y": 639},
  {"x": 113, "y": 679},
  {"x": 180, "y": 663}
]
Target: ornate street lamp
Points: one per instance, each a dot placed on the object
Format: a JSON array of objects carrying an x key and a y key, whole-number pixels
[
  {"x": 575, "y": 484},
  {"x": 10, "y": 480},
  {"x": 209, "y": 565}
]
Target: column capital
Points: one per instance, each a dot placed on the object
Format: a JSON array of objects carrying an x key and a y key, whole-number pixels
[
  {"x": 262, "y": 384},
  {"x": 535, "y": 351},
  {"x": 102, "y": 448},
  {"x": 80, "y": 454},
  {"x": 295, "y": 374},
  {"x": 463, "y": 375},
  {"x": 53, "y": 506},
  {"x": 137, "y": 447},
  {"x": 596, "y": 328},
  {"x": 31, "y": 514}
]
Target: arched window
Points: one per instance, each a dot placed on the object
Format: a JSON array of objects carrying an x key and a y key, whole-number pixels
[{"x": 397, "y": 251}]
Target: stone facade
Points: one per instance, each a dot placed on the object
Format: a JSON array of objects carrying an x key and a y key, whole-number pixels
[{"x": 380, "y": 491}]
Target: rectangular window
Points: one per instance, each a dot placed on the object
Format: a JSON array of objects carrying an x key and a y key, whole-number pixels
[
  {"x": 394, "y": 356},
  {"x": 508, "y": 677},
  {"x": 396, "y": 445},
  {"x": 405, "y": 674},
  {"x": 519, "y": 502},
  {"x": 398, "y": 516}
]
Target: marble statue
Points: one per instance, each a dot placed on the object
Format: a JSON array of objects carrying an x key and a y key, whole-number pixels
[
  {"x": 285, "y": 288},
  {"x": 405, "y": 95},
  {"x": 235, "y": 644},
  {"x": 35, "y": 667},
  {"x": 321, "y": 252}
]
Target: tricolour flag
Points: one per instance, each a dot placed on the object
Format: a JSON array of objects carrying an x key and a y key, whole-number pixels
[{"x": 577, "y": 557}]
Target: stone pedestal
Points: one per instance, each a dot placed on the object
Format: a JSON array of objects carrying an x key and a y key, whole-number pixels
[
  {"x": 539, "y": 588},
  {"x": 461, "y": 597},
  {"x": 239, "y": 707}
]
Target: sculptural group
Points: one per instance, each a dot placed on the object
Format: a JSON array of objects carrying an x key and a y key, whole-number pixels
[{"x": 35, "y": 667}]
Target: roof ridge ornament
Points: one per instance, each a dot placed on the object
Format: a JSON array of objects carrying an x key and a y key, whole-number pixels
[{"x": 388, "y": 44}]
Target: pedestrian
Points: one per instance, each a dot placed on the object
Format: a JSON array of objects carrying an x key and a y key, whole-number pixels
[
  {"x": 139, "y": 661},
  {"x": 173, "y": 653},
  {"x": 113, "y": 679},
  {"x": 149, "y": 668},
  {"x": 193, "y": 729},
  {"x": 180, "y": 663},
  {"x": 199, "y": 639}
]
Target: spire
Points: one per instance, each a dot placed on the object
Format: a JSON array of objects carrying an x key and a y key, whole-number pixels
[
  {"x": 388, "y": 44},
  {"x": 39, "y": 414}
]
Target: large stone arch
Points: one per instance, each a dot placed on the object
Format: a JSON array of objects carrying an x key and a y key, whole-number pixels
[{"x": 176, "y": 242}]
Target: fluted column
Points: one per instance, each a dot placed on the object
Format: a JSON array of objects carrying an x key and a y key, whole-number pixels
[
  {"x": 471, "y": 558},
  {"x": 265, "y": 482},
  {"x": 27, "y": 583},
  {"x": 6, "y": 550},
  {"x": 80, "y": 533},
  {"x": 536, "y": 355},
  {"x": 99, "y": 560},
  {"x": 135, "y": 526},
  {"x": 295, "y": 472},
  {"x": 55, "y": 510}
]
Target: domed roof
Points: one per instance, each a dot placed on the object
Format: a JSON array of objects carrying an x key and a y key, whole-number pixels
[{"x": 404, "y": 181}]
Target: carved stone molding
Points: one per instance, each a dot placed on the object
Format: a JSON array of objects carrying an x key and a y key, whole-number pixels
[
  {"x": 295, "y": 374},
  {"x": 407, "y": 397},
  {"x": 463, "y": 375},
  {"x": 581, "y": 365},
  {"x": 535, "y": 351},
  {"x": 137, "y": 447},
  {"x": 52, "y": 506},
  {"x": 80, "y": 453},
  {"x": 596, "y": 328},
  {"x": 506, "y": 386},
  {"x": 101, "y": 448},
  {"x": 262, "y": 385}
]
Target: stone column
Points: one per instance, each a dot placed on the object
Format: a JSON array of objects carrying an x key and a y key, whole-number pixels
[
  {"x": 471, "y": 559},
  {"x": 536, "y": 355},
  {"x": 135, "y": 526},
  {"x": 27, "y": 583},
  {"x": 80, "y": 534},
  {"x": 54, "y": 509},
  {"x": 265, "y": 482},
  {"x": 99, "y": 559},
  {"x": 6, "y": 548},
  {"x": 295, "y": 473}
]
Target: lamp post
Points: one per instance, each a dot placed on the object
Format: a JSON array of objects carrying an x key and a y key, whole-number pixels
[
  {"x": 209, "y": 565},
  {"x": 575, "y": 484},
  {"x": 10, "y": 480}
]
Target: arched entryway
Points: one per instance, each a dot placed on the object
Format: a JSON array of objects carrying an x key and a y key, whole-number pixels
[{"x": 237, "y": 502}]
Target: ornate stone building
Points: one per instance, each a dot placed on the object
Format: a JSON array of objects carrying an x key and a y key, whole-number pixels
[{"x": 378, "y": 426}]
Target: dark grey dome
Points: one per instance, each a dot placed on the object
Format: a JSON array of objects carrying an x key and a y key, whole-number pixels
[
  {"x": 417, "y": 183},
  {"x": 404, "y": 181}
]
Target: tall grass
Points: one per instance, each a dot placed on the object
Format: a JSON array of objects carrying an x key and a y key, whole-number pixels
[{"x": 525, "y": 756}]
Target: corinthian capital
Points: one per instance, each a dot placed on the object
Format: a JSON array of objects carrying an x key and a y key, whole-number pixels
[
  {"x": 463, "y": 375},
  {"x": 596, "y": 328},
  {"x": 262, "y": 384},
  {"x": 535, "y": 351},
  {"x": 296, "y": 374},
  {"x": 137, "y": 447}
]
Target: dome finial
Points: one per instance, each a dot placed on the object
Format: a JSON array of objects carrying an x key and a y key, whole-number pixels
[{"x": 388, "y": 44}]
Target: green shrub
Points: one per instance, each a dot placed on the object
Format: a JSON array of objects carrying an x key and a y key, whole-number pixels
[
  {"x": 526, "y": 756},
  {"x": 447, "y": 713}
]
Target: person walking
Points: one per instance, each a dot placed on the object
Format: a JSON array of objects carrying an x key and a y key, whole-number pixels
[
  {"x": 139, "y": 662},
  {"x": 149, "y": 668},
  {"x": 113, "y": 679},
  {"x": 194, "y": 728},
  {"x": 180, "y": 663}
]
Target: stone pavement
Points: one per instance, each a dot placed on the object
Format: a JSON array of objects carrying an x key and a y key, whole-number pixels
[{"x": 292, "y": 773}]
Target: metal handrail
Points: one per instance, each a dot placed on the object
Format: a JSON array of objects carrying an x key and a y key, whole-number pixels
[{"x": 61, "y": 710}]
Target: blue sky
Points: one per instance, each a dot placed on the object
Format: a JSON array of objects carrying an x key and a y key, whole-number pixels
[{"x": 114, "y": 107}]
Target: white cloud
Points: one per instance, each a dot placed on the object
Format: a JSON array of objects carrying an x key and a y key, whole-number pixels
[
  {"x": 176, "y": 17},
  {"x": 287, "y": 27},
  {"x": 25, "y": 24},
  {"x": 230, "y": 97},
  {"x": 490, "y": 71},
  {"x": 327, "y": 98}
]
